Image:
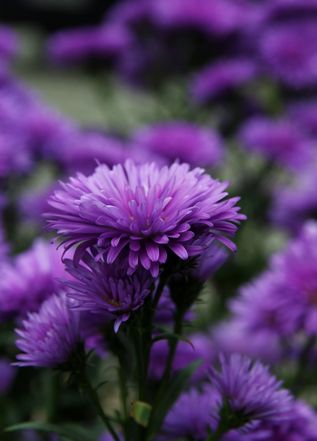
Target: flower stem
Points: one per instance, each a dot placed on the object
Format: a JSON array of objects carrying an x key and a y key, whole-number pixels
[{"x": 92, "y": 394}]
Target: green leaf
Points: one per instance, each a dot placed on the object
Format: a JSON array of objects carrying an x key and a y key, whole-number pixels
[
  {"x": 170, "y": 395},
  {"x": 68, "y": 431},
  {"x": 141, "y": 412}
]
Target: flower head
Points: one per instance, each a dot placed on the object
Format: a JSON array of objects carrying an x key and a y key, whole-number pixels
[
  {"x": 49, "y": 337},
  {"x": 289, "y": 52},
  {"x": 99, "y": 287},
  {"x": 181, "y": 141},
  {"x": 250, "y": 391},
  {"x": 296, "y": 203},
  {"x": 280, "y": 141},
  {"x": 191, "y": 416},
  {"x": 143, "y": 213},
  {"x": 221, "y": 77},
  {"x": 31, "y": 278},
  {"x": 102, "y": 42}
]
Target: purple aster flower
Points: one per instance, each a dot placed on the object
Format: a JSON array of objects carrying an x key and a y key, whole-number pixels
[
  {"x": 104, "y": 42},
  {"x": 296, "y": 267},
  {"x": 234, "y": 336},
  {"x": 304, "y": 114},
  {"x": 250, "y": 392},
  {"x": 302, "y": 426},
  {"x": 197, "y": 347},
  {"x": 221, "y": 77},
  {"x": 264, "y": 305},
  {"x": 31, "y": 278},
  {"x": 8, "y": 43},
  {"x": 7, "y": 375},
  {"x": 280, "y": 141},
  {"x": 209, "y": 262},
  {"x": 183, "y": 141},
  {"x": 49, "y": 337},
  {"x": 289, "y": 52},
  {"x": 142, "y": 213},
  {"x": 81, "y": 150},
  {"x": 213, "y": 17},
  {"x": 100, "y": 287},
  {"x": 14, "y": 158},
  {"x": 295, "y": 203},
  {"x": 191, "y": 416}
]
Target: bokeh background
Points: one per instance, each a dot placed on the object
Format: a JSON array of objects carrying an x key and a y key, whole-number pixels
[{"x": 228, "y": 85}]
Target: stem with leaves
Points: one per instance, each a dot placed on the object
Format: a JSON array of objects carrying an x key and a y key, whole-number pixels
[{"x": 87, "y": 387}]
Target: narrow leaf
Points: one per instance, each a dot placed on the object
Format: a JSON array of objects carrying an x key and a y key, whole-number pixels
[{"x": 69, "y": 431}]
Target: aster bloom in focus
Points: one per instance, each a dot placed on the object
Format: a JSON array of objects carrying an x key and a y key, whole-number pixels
[
  {"x": 49, "y": 337},
  {"x": 222, "y": 77},
  {"x": 181, "y": 141},
  {"x": 191, "y": 416},
  {"x": 143, "y": 213},
  {"x": 100, "y": 287},
  {"x": 31, "y": 278},
  {"x": 277, "y": 140},
  {"x": 249, "y": 392}
]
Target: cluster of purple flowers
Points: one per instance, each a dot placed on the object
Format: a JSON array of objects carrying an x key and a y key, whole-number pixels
[{"x": 141, "y": 229}]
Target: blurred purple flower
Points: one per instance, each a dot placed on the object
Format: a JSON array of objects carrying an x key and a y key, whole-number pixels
[
  {"x": 8, "y": 43},
  {"x": 213, "y": 17},
  {"x": 98, "y": 287},
  {"x": 81, "y": 150},
  {"x": 304, "y": 114},
  {"x": 295, "y": 265},
  {"x": 179, "y": 140},
  {"x": 295, "y": 203},
  {"x": 302, "y": 426},
  {"x": 191, "y": 416},
  {"x": 221, "y": 77},
  {"x": 104, "y": 42},
  {"x": 233, "y": 336},
  {"x": 142, "y": 213},
  {"x": 264, "y": 305},
  {"x": 34, "y": 202},
  {"x": 30, "y": 279},
  {"x": 48, "y": 338},
  {"x": 7, "y": 375},
  {"x": 251, "y": 391},
  {"x": 289, "y": 52},
  {"x": 198, "y": 347},
  {"x": 14, "y": 158},
  {"x": 277, "y": 140}
]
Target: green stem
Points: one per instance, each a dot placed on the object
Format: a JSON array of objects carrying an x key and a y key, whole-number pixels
[
  {"x": 299, "y": 376},
  {"x": 92, "y": 394},
  {"x": 52, "y": 390}
]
